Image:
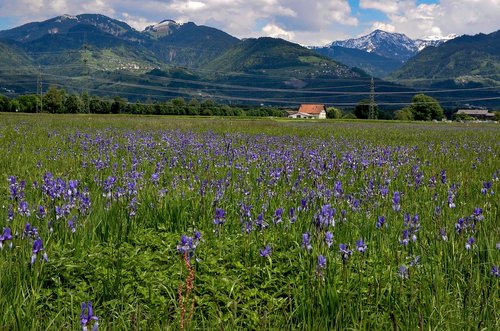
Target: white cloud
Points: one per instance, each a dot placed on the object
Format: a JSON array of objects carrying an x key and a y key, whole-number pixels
[
  {"x": 295, "y": 20},
  {"x": 272, "y": 30},
  {"x": 382, "y": 26},
  {"x": 136, "y": 22},
  {"x": 441, "y": 18},
  {"x": 305, "y": 22}
]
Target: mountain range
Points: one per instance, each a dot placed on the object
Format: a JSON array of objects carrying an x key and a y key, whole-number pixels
[
  {"x": 106, "y": 56},
  {"x": 378, "y": 53}
]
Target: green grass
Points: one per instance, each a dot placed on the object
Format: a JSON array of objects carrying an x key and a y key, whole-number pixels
[{"x": 129, "y": 267}]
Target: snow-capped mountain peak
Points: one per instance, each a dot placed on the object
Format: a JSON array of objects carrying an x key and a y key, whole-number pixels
[
  {"x": 165, "y": 25},
  {"x": 391, "y": 45}
]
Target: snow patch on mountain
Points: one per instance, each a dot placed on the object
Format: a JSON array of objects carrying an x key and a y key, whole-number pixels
[
  {"x": 392, "y": 45},
  {"x": 164, "y": 25}
]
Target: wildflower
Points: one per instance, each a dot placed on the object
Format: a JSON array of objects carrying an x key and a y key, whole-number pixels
[
  {"x": 494, "y": 271},
  {"x": 293, "y": 216},
  {"x": 337, "y": 189},
  {"x": 395, "y": 201},
  {"x": 442, "y": 233},
  {"x": 329, "y": 238},
  {"x": 41, "y": 212},
  {"x": 324, "y": 217},
  {"x": 220, "y": 216},
  {"x": 415, "y": 261},
  {"x": 87, "y": 317},
  {"x": 403, "y": 272},
  {"x": 361, "y": 245},
  {"x": 478, "y": 214},
  {"x": 261, "y": 224},
  {"x": 406, "y": 238},
  {"x": 451, "y": 204},
  {"x": 30, "y": 231},
  {"x": 380, "y": 222},
  {"x": 306, "y": 241},
  {"x": 278, "y": 215},
  {"x": 443, "y": 176},
  {"x": 344, "y": 251},
  {"x": 23, "y": 209},
  {"x": 321, "y": 266},
  {"x": 266, "y": 252},
  {"x": 470, "y": 243},
  {"x": 487, "y": 186},
  {"x": 498, "y": 245},
  {"x": 6, "y": 236},
  {"x": 71, "y": 225},
  {"x": 38, "y": 247}
]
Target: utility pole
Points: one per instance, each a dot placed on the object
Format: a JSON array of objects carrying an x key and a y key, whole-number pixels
[
  {"x": 85, "y": 59},
  {"x": 372, "y": 114},
  {"x": 39, "y": 90}
]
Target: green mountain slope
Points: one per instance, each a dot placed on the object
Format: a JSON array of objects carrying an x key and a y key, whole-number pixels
[
  {"x": 372, "y": 63},
  {"x": 277, "y": 56},
  {"x": 463, "y": 61},
  {"x": 189, "y": 45}
]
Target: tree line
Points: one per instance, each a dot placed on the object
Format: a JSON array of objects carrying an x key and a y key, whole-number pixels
[{"x": 57, "y": 101}]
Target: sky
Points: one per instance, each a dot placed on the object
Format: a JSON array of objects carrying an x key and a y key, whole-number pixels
[{"x": 306, "y": 22}]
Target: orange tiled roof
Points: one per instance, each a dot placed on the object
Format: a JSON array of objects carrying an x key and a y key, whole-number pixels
[{"x": 311, "y": 109}]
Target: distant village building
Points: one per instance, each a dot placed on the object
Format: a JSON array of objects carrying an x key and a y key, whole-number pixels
[
  {"x": 313, "y": 111},
  {"x": 479, "y": 114}
]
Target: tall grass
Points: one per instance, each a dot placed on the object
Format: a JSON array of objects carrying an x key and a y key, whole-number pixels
[{"x": 150, "y": 180}]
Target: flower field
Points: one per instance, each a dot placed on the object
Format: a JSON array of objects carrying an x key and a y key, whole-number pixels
[{"x": 161, "y": 223}]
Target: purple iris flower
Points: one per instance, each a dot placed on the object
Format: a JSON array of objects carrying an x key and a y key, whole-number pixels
[
  {"x": 443, "y": 176},
  {"x": 403, "y": 272},
  {"x": 329, "y": 238},
  {"x": 321, "y": 262},
  {"x": 442, "y": 233},
  {"x": 345, "y": 251},
  {"x": 278, "y": 215},
  {"x": 470, "y": 243},
  {"x": 306, "y": 241},
  {"x": 361, "y": 245},
  {"x": 261, "y": 224},
  {"x": 395, "y": 201},
  {"x": 37, "y": 248},
  {"x": 405, "y": 239},
  {"x": 266, "y": 252},
  {"x": 293, "y": 216},
  {"x": 23, "y": 209},
  {"x": 220, "y": 216},
  {"x": 87, "y": 316},
  {"x": 494, "y": 271},
  {"x": 380, "y": 222},
  {"x": 6, "y": 236},
  {"x": 321, "y": 266}
]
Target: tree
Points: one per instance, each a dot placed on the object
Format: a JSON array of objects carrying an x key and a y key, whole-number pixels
[
  {"x": 119, "y": 105},
  {"x": 497, "y": 115},
  {"x": 4, "y": 103},
  {"x": 53, "y": 100},
  {"x": 85, "y": 102},
  {"x": 362, "y": 109},
  {"x": 28, "y": 103},
  {"x": 73, "y": 104},
  {"x": 332, "y": 112},
  {"x": 426, "y": 108},
  {"x": 404, "y": 114}
]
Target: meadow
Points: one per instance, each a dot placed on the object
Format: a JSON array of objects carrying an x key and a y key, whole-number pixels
[{"x": 165, "y": 223}]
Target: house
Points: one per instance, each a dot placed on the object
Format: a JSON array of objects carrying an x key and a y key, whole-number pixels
[
  {"x": 479, "y": 114},
  {"x": 314, "y": 111}
]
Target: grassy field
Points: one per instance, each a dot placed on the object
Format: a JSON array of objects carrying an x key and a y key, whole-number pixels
[{"x": 167, "y": 223}]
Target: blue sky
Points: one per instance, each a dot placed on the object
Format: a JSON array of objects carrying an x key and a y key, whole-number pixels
[{"x": 303, "y": 21}]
